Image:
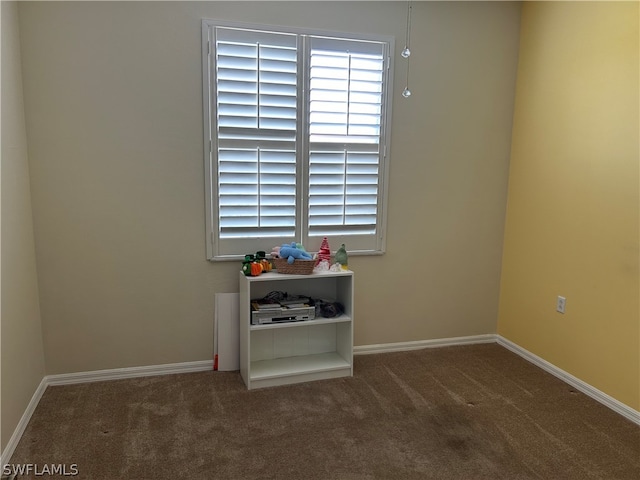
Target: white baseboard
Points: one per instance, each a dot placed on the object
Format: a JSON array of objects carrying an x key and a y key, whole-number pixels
[
  {"x": 420, "y": 344},
  {"x": 575, "y": 382},
  {"x": 22, "y": 424},
  {"x": 130, "y": 372}
]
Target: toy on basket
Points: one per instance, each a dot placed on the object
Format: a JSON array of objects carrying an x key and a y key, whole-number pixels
[{"x": 294, "y": 260}]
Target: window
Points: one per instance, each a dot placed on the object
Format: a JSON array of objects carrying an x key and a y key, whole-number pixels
[{"x": 296, "y": 138}]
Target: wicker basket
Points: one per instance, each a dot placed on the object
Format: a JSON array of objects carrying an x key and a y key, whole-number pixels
[{"x": 298, "y": 267}]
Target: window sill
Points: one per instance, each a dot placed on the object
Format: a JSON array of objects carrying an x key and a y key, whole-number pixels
[{"x": 239, "y": 258}]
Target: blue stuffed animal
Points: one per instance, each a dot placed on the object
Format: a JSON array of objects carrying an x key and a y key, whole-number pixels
[{"x": 291, "y": 252}]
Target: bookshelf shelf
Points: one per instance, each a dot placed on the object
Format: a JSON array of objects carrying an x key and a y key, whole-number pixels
[{"x": 317, "y": 321}]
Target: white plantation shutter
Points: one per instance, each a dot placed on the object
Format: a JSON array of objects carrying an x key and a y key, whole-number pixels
[
  {"x": 297, "y": 139},
  {"x": 345, "y": 139},
  {"x": 256, "y": 102}
]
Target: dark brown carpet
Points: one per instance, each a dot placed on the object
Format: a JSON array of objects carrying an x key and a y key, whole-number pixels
[{"x": 471, "y": 412}]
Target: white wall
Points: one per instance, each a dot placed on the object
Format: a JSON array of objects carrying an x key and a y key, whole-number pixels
[
  {"x": 22, "y": 355},
  {"x": 114, "y": 121}
]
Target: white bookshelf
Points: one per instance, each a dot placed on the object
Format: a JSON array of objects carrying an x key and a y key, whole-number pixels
[{"x": 292, "y": 352}]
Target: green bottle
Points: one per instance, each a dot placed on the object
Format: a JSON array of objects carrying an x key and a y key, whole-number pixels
[{"x": 341, "y": 257}]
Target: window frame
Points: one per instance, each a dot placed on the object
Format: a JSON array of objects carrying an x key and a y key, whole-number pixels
[{"x": 210, "y": 147}]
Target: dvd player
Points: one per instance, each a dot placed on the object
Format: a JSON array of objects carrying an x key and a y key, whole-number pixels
[{"x": 283, "y": 314}]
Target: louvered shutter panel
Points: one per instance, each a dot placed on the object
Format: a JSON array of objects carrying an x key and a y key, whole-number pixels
[
  {"x": 256, "y": 92},
  {"x": 345, "y": 141}
]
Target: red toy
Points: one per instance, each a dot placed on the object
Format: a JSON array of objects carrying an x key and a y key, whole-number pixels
[{"x": 324, "y": 253}]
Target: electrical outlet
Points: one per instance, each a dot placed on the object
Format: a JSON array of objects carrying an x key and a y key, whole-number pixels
[{"x": 561, "y": 304}]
